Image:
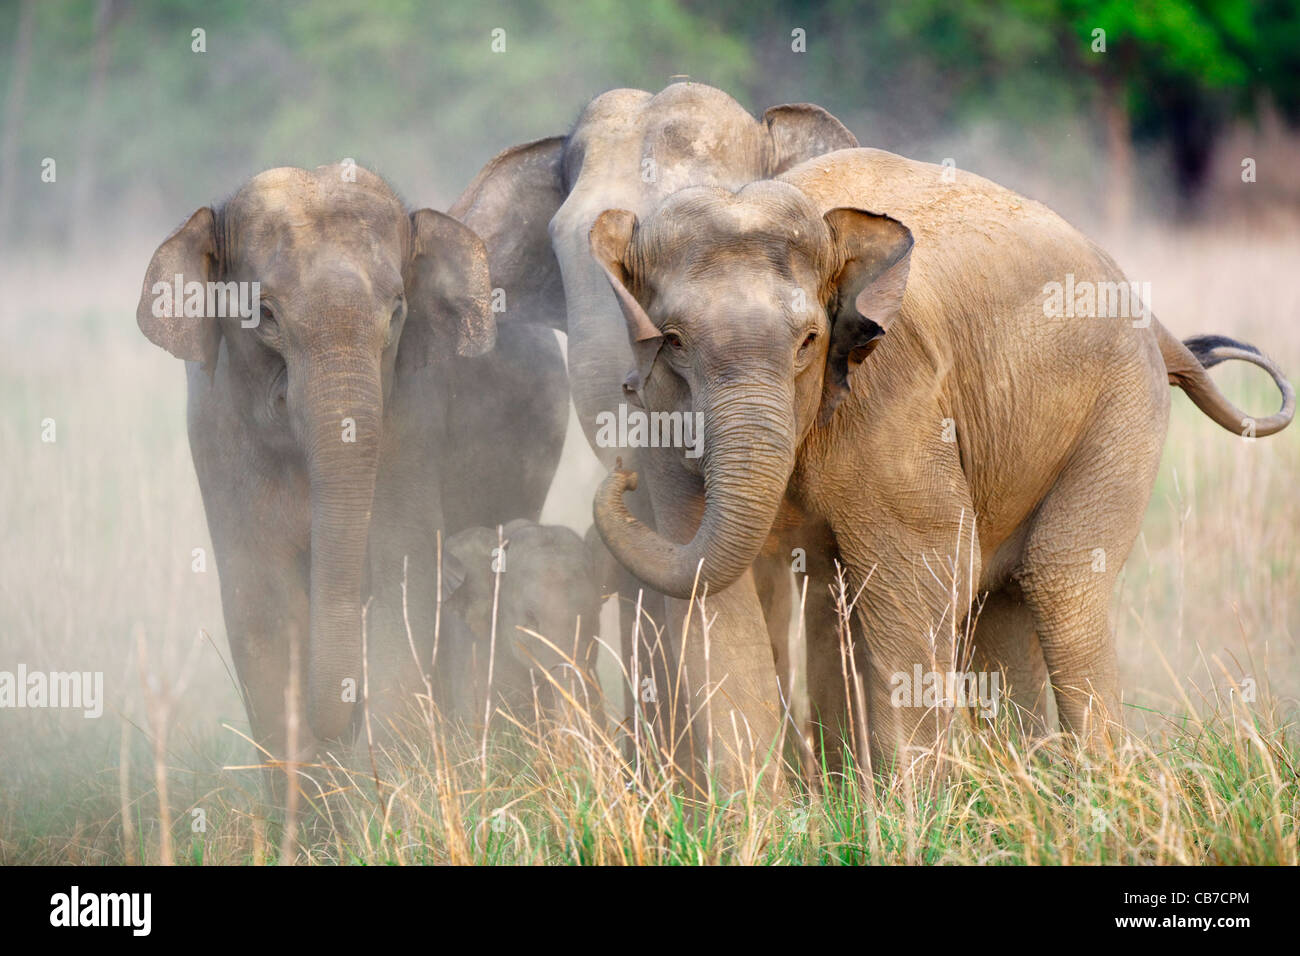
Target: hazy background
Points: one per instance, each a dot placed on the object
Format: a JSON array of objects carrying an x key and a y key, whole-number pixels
[{"x": 1141, "y": 146}]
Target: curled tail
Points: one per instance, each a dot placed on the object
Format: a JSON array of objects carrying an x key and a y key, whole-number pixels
[{"x": 1187, "y": 361}]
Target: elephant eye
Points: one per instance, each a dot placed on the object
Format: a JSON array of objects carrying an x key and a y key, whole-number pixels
[
  {"x": 268, "y": 328},
  {"x": 809, "y": 339},
  {"x": 673, "y": 341}
]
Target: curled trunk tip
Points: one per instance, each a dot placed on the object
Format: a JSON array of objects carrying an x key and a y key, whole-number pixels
[{"x": 748, "y": 465}]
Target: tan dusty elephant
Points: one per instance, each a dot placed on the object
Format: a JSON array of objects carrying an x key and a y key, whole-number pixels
[{"x": 997, "y": 443}]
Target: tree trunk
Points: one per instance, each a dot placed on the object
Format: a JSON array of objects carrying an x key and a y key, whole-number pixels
[
  {"x": 13, "y": 122},
  {"x": 1119, "y": 154},
  {"x": 84, "y": 188}
]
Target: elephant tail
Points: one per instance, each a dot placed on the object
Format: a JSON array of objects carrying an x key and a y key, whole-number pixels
[{"x": 1187, "y": 361}]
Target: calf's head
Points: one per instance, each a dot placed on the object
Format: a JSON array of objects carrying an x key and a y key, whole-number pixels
[{"x": 544, "y": 584}]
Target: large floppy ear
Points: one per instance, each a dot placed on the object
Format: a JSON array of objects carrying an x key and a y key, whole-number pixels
[
  {"x": 611, "y": 237},
  {"x": 191, "y": 253},
  {"x": 800, "y": 131},
  {"x": 447, "y": 292},
  {"x": 510, "y": 204},
  {"x": 453, "y": 574},
  {"x": 874, "y": 253},
  {"x": 465, "y": 555}
]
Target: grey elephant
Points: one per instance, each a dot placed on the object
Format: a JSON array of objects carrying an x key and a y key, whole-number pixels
[
  {"x": 544, "y": 583},
  {"x": 333, "y": 426},
  {"x": 905, "y": 390},
  {"x": 534, "y": 206}
]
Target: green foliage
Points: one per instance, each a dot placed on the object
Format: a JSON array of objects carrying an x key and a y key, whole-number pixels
[
  {"x": 413, "y": 89},
  {"x": 416, "y": 90}
]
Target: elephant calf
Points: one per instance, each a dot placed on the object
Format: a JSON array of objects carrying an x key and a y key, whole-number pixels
[
  {"x": 547, "y": 610},
  {"x": 906, "y": 391}
]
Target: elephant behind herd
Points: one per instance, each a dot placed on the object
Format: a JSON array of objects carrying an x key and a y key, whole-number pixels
[{"x": 885, "y": 382}]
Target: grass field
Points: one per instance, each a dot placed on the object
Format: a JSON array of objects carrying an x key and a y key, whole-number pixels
[{"x": 99, "y": 528}]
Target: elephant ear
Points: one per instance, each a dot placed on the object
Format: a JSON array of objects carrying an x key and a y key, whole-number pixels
[
  {"x": 453, "y": 574},
  {"x": 510, "y": 204},
  {"x": 467, "y": 559},
  {"x": 447, "y": 291},
  {"x": 800, "y": 131},
  {"x": 874, "y": 253},
  {"x": 611, "y": 238},
  {"x": 191, "y": 253}
]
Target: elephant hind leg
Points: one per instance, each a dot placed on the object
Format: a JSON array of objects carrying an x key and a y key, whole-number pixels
[
  {"x": 1080, "y": 537},
  {"x": 1006, "y": 644},
  {"x": 1074, "y": 630}
]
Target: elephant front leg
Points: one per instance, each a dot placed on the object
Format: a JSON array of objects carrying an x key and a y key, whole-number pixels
[
  {"x": 723, "y": 706},
  {"x": 910, "y": 589},
  {"x": 399, "y": 622},
  {"x": 725, "y": 686},
  {"x": 265, "y": 606},
  {"x": 402, "y": 611},
  {"x": 775, "y": 587}
]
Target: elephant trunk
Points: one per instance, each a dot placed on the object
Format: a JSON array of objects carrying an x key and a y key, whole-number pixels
[
  {"x": 748, "y": 458},
  {"x": 342, "y": 459}
]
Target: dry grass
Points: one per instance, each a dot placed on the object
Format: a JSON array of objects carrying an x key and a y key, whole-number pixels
[
  {"x": 558, "y": 789},
  {"x": 99, "y": 529}
]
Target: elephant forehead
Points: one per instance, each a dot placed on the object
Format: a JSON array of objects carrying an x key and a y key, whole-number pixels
[
  {"x": 757, "y": 265},
  {"x": 285, "y": 257},
  {"x": 687, "y": 134},
  {"x": 339, "y": 182},
  {"x": 293, "y": 207},
  {"x": 709, "y": 217},
  {"x": 698, "y": 98},
  {"x": 701, "y": 150},
  {"x": 735, "y": 306},
  {"x": 545, "y": 554},
  {"x": 359, "y": 267},
  {"x": 699, "y": 119}
]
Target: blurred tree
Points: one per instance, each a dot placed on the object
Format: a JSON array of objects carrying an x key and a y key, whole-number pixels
[
  {"x": 91, "y": 130},
  {"x": 15, "y": 101},
  {"x": 1158, "y": 70},
  {"x": 1174, "y": 70},
  {"x": 138, "y": 118},
  {"x": 1277, "y": 61},
  {"x": 414, "y": 89}
]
